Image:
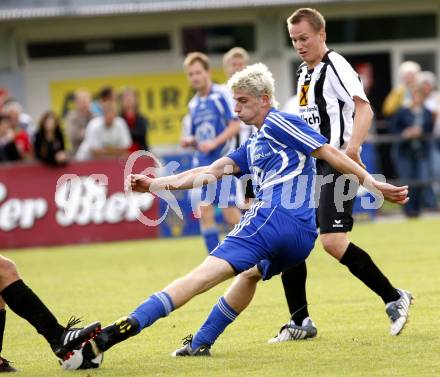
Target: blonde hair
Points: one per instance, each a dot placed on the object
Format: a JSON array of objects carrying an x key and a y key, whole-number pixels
[
  {"x": 193, "y": 57},
  {"x": 256, "y": 80},
  {"x": 312, "y": 16},
  {"x": 235, "y": 52}
]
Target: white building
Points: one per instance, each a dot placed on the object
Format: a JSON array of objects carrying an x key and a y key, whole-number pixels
[{"x": 45, "y": 51}]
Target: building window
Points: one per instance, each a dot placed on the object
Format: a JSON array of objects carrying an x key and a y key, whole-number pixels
[
  {"x": 381, "y": 28},
  {"x": 218, "y": 39},
  {"x": 370, "y": 29},
  {"x": 101, "y": 46}
]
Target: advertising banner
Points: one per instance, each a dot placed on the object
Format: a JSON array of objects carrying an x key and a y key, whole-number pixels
[
  {"x": 79, "y": 203},
  {"x": 163, "y": 98}
]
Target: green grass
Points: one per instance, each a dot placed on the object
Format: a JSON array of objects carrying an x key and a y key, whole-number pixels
[{"x": 108, "y": 280}]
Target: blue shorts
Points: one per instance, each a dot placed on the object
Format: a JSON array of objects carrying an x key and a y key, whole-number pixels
[
  {"x": 222, "y": 193},
  {"x": 270, "y": 238}
]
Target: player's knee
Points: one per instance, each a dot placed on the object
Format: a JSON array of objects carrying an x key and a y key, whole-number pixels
[
  {"x": 8, "y": 269},
  {"x": 332, "y": 245},
  {"x": 251, "y": 274}
]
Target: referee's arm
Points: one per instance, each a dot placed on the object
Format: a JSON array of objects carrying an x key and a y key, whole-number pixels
[{"x": 361, "y": 124}]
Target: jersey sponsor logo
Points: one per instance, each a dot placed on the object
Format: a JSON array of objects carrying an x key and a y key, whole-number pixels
[
  {"x": 310, "y": 115},
  {"x": 303, "y": 95}
]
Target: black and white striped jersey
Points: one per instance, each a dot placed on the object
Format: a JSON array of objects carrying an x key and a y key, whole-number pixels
[{"x": 325, "y": 97}]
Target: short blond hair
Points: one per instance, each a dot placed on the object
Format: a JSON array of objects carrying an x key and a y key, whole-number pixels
[
  {"x": 235, "y": 52},
  {"x": 193, "y": 57},
  {"x": 312, "y": 16},
  {"x": 255, "y": 79}
]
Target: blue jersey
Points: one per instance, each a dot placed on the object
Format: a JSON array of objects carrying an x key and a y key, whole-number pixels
[
  {"x": 210, "y": 116},
  {"x": 278, "y": 159}
]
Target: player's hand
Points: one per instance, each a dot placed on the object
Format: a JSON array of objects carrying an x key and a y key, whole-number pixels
[
  {"x": 188, "y": 142},
  {"x": 394, "y": 194},
  {"x": 355, "y": 155},
  {"x": 138, "y": 183},
  {"x": 207, "y": 146}
]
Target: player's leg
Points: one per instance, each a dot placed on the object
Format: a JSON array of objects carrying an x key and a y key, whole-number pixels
[
  {"x": 334, "y": 226},
  {"x": 26, "y": 304},
  {"x": 300, "y": 325},
  {"x": 232, "y": 216},
  {"x": 236, "y": 299},
  {"x": 5, "y": 365},
  {"x": 210, "y": 273},
  {"x": 208, "y": 227}
]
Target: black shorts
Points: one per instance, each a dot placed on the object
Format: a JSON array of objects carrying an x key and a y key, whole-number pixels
[
  {"x": 333, "y": 216},
  {"x": 249, "y": 190}
]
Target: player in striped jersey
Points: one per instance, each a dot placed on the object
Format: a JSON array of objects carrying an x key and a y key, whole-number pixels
[
  {"x": 212, "y": 131},
  {"x": 332, "y": 102},
  {"x": 278, "y": 231}
]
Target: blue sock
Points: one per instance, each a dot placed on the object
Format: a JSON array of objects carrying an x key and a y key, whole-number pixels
[
  {"x": 158, "y": 305},
  {"x": 221, "y": 316},
  {"x": 212, "y": 238}
]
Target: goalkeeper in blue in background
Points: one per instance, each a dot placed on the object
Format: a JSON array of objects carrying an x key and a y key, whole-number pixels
[{"x": 273, "y": 235}]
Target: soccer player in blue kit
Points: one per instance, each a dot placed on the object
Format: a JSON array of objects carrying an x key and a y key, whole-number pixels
[
  {"x": 213, "y": 131},
  {"x": 278, "y": 231}
]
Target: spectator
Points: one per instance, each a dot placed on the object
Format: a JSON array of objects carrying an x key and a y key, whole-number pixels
[
  {"x": 77, "y": 119},
  {"x": 4, "y": 95},
  {"x": 8, "y": 148},
  {"x": 49, "y": 141},
  {"x": 106, "y": 135},
  {"x": 106, "y": 93},
  {"x": 19, "y": 118},
  {"x": 412, "y": 156},
  {"x": 22, "y": 126},
  {"x": 432, "y": 103},
  {"x": 401, "y": 95},
  {"x": 136, "y": 122}
]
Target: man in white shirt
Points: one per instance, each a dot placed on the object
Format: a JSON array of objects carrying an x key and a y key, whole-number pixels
[{"x": 106, "y": 136}]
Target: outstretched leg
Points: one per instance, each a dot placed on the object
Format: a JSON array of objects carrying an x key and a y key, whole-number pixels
[
  {"x": 210, "y": 273},
  {"x": 235, "y": 300}
]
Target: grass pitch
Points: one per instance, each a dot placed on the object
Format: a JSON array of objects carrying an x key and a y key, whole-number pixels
[{"x": 107, "y": 281}]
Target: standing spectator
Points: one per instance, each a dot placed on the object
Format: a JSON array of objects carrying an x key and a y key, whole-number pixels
[
  {"x": 19, "y": 118},
  {"x": 106, "y": 93},
  {"x": 8, "y": 148},
  {"x": 78, "y": 118},
  {"x": 106, "y": 135},
  {"x": 49, "y": 141},
  {"x": 432, "y": 103},
  {"x": 412, "y": 156},
  {"x": 136, "y": 122},
  {"x": 401, "y": 95}
]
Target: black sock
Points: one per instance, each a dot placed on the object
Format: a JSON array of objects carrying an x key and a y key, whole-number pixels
[
  {"x": 294, "y": 282},
  {"x": 362, "y": 266},
  {"x": 25, "y": 303},
  {"x": 2, "y": 327}
]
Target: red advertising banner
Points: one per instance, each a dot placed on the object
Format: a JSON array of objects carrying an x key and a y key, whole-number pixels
[{"x": 89, "y": 204}]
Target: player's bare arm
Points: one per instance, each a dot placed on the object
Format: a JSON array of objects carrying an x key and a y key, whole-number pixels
[
  {"x": 231, "y": 131},
  {"x": 361, "y": 125},
  {"x": 345, "y": 165},
  {"x": 192, "y": 178}
]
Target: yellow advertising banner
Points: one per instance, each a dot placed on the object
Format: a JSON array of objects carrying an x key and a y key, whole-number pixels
[{"x": 163, "y": 98}]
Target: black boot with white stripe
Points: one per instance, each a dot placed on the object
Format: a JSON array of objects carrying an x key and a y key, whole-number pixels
[
  {"x": 398, "y": 311},
  {"x": 73, "y": 337}
]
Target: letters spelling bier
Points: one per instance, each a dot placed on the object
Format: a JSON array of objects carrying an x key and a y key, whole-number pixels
[{"x": 85, "y": 201}]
